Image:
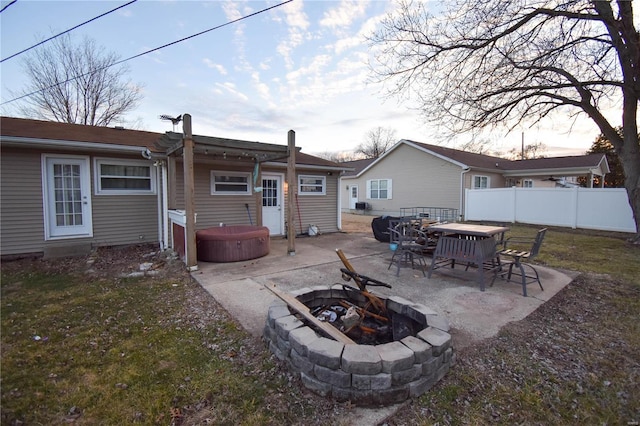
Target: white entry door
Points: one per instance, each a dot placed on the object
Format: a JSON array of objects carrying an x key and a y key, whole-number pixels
[
  {"x": 67, "y": 193},
  {"x": 353, "y": 196},
  {"x": 272, "y": 203}
]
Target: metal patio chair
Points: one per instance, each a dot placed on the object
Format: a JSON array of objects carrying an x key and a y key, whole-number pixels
[
  {"x": 518, "y": 256},
  {"x": 407, "y": 242}
]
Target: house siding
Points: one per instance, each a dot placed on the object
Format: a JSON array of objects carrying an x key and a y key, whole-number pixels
[
  {"x": 124, "y": 219},
  {"x": 22, "y": 224},
  {"x": 117, "y": 219},
  {"x": 319, "y": 210},
  {"x": 418, "y": 180},
  {"x": 230, "y": 209}
]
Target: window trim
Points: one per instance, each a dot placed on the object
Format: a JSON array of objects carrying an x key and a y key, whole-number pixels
[
  {"x": 525, "y": 181},
  {"x": 324, "y": 185},
  {"x": 389, "y": 189},
  {"x": 98, "y": 190},
  {"x": 473, "y": 182},
  {"x": 212, "y": 184}
]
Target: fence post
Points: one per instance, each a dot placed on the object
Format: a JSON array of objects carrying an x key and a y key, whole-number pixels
[
  {"x": 514, "y": 204},
  {"x": 574, "y": 206}
]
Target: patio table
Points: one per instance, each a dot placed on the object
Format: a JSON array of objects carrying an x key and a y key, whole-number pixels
[
  {"x": 468, "y": 243},
  {"x": 468, "y": 229}
]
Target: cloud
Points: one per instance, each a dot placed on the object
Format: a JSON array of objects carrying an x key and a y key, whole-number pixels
[
  {"x": 262, "y": 89},
  {"x": 344, "y": 14},
  {"x": 231, "y": 88},
  {"x": 294, "y": 15},
  {"x": 218, "y": 67},
  {"x": 318, "y": 63},
  {"x": 297, "y": 23}
]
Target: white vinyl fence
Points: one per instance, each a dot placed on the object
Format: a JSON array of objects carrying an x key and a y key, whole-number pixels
[{"x": 606, "y": 209}]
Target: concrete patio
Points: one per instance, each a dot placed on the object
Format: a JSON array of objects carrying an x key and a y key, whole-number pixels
[{"x": 473, "y": 314}]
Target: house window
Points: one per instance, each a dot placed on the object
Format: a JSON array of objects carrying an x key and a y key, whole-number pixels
[
  {"x": 230, "y": 183},
  {"x": 480, "y": 182},
  {"x": 123, "y": 177},
  {"x": 527, "y": 183},
  {"x": 312, "y": 185},
  {"x": 379, "y": 189}
]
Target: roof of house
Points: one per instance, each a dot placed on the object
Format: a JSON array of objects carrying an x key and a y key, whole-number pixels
[
  {"x": 490, "y": 162},
  {"x": 587, "y": 160},
  {"x": 357, "y": 165},
  {"x": 37, "y": 129},
  {"x": 53, "y": 131}
]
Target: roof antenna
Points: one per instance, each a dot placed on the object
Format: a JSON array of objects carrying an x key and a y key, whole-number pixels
[{"x": 173, "y": 120}]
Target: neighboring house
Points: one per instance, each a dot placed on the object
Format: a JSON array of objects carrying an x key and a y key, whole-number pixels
[
  {"x": 413, "y": 174},
  {"x": 67, "y": 187}
]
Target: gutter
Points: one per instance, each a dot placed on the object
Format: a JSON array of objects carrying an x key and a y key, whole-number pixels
[
  {"x": 20, "y": 142},
  {"x": 276, "y": 164},
  {"x": 465, "y": 170}
]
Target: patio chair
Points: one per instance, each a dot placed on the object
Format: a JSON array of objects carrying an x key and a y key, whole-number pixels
[
  {"x": 519, "y": 256},
  {"x": 407, "y": 242}
]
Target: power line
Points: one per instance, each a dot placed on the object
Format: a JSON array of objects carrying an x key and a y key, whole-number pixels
[
  {"x": 147, "y": 52},
  {"x": 5, "y": 8},
  {"x": 64, "y": 32}
]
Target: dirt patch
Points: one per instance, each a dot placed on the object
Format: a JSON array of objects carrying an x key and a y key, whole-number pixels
[{"x": 356, "y": 223}]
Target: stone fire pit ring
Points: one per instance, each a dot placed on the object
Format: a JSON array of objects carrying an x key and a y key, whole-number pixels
[{"x": 366, "y": 375}]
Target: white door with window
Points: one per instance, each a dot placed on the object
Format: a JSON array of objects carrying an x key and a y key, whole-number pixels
[
  {"x": 353, "y": 196},
  {"x": 272, "y": 203},
  {"x": 67, "y": 197}
]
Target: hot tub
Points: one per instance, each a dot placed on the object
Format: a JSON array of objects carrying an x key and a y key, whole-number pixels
[{"x": 232, "y": 243}]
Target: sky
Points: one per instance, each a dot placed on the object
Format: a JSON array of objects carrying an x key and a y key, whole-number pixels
[{"x": 301, "y": 66}]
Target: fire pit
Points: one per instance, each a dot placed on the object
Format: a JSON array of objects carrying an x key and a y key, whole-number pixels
[{"x": 409, "y": 353}]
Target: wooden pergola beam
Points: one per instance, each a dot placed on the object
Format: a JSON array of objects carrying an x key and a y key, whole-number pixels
[
  {"x": 234, "y": 151},
  {"x": 189, "y": 195},
  {"x": 291, "y": 185}
]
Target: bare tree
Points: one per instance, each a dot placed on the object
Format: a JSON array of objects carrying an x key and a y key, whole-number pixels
[
  {"x": 77, "y": 84},
  {"x": 338, "y": 157},
  {"x": 494, "y": 63},
  {"x": 528, "y": 152},
  {"x": 377, "y": 142}
]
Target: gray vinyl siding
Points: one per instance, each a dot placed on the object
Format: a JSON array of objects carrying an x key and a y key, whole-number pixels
[
  {"x": 21, "y": 215},
  {"x": 117, "y": 219},
  {"x": 211, "y": 210},
  {"x": 319, "y": 210},
  {"x": 214, "y": 209},
  {"x": 418, "y": 180},
  {"x": 124, "y": 219}
]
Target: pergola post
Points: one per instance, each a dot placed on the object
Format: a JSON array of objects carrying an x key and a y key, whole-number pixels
[
  {"x": 292, "y": 187},
  {"x": 189, "y": 194},
  {"x": 258, "y": 194}
]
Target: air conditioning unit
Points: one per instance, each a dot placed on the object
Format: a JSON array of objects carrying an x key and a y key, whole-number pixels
[{"x": 363, "y": 206}]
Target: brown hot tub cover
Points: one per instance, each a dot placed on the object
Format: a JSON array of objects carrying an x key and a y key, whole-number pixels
[{"x": 232, "y": 243}]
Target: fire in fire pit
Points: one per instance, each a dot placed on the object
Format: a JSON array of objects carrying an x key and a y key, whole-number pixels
[{"x": 352, "y": 345}]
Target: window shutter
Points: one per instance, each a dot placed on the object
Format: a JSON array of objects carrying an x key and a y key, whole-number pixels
[
  {"x": 389, "y": 197},
  {"x": 368, "y": 190}
]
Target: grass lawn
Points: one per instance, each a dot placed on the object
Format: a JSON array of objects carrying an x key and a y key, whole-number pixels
[
  {"x": 150, "y": 350},
  {"x": 93, "y": 348}
]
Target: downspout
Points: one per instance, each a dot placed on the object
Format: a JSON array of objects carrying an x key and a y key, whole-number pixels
[
  {"x": 340, "y": 201},
  {"x": 160, "y": 167},
  {"x": 165, "y": 205},
  {"x": 159, "y": 197},
  {"x": 462, "y": 204}
]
